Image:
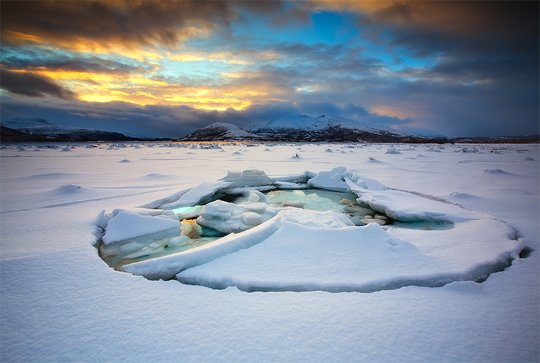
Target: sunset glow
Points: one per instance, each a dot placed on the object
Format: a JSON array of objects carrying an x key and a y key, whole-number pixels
[{"x": 425, "y": 66}]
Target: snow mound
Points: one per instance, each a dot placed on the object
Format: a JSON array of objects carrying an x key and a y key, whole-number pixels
[
  {"x": 156, "y": 176},
  {"x": 495, "y": 172},
  {"x": 68, "y": 189},
  {"x": 393, "y": 150}
]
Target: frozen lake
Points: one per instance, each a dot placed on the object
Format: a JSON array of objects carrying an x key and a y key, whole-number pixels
[{"x": 61, "y": 302}]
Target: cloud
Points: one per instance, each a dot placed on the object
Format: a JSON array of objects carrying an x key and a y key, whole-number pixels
[
  {"x": 471, "y": 18},
  {"x": 32, "y": 85},
  {"x": 176, "y": 121},
  {"x": 459, "y": 68},
  {"x": 98, "y": 25}
]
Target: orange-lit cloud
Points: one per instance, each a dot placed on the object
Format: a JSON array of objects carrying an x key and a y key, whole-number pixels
[
  {"x": 139, "y": 90},
  {"x": 392, "y": 111},
  {"x": 236, "y": 58}
]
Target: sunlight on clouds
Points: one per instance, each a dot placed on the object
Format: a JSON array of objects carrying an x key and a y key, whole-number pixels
[
  {"x": 310, "y": 88},
  {"x": 364, "y": 6},
  {"x": 18, "y": 37},
  {"x": 139, "y": 90},
  {"x": 384, "y": 110},
  {"x": 235, "y": 58},
  {"x": 142, "y": 88},
  {"x": 146, "y": 81}
]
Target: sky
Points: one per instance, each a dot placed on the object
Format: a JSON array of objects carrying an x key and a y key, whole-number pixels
[{"x": 165, "y": 68}]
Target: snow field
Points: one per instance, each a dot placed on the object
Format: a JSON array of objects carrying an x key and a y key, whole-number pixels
[{"x": 61, "y": 302}]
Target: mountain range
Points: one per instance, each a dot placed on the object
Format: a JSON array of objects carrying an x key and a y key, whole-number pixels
[
  {"x": 305, "y": 128},
  {"x": 296, "y": 128}
]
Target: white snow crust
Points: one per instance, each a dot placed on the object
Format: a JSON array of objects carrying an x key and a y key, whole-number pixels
[{"x": 60, "y": 302}]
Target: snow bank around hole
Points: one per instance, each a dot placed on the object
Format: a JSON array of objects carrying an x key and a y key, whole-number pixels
[{"x": 296, "y": 249}]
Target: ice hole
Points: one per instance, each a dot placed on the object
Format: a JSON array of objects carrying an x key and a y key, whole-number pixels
[{"x": 201, "y": 224}]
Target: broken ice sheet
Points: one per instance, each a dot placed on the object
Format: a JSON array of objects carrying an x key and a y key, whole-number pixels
[{"x": 310, "y": 226}]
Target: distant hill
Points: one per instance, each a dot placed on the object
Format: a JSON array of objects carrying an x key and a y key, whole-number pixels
[{"x": 28, "y": 130}]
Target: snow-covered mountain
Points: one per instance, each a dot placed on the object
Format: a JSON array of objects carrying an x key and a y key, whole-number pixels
[
  {"x": 322, "y": 122},
  {"x": 35, "y": 129},
  {"x": 221, "y": 131},
  {"x": 304, "y": 128},
  {"x": 24, "y": 123}
]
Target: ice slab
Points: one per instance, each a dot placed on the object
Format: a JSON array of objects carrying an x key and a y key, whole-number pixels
[
  {"x": 126, "y": 225},
  {"x": 363, "y": 259}
]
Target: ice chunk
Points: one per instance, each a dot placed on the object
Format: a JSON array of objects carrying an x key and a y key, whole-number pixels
[
  {"x": 247, "y": 178},
  {"x": 256, "y": 196},
  {"x": 126, "y": 225},
  {"x": 195, "y": 195},
  {"x": 233, "y": 218},
  {"x": 331, "y": 180},
  {"x": 407, "y": 207},
  {"x": 188, "y": 212},
  {"x": 252, "y": 218}
]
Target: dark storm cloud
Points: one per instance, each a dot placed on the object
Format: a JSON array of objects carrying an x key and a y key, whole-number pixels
[
  {"x": 31, "y": 85},
  {"x": 72, "y": 64},
  {"x": 174, "y": 121},
  {"x": 485, "y": 78},
  {"x": 493, "y": 32},
  {"x": 132, "y": 22}
]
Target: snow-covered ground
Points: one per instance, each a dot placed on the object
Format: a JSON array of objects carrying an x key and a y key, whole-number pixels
[{"x": 61, "y": 302}]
